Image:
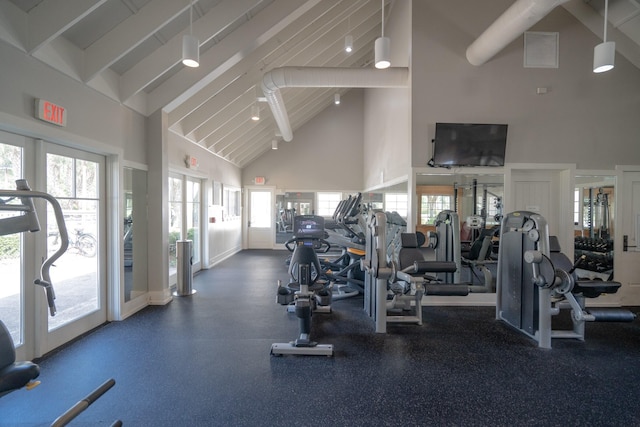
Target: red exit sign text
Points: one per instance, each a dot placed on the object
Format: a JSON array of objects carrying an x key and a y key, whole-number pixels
[{"x": 50, "y": 112}]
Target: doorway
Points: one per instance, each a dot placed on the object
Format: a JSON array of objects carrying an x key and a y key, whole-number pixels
[
  {"x": 77, "y": 180},
  {"x": 260, "y": 218}
]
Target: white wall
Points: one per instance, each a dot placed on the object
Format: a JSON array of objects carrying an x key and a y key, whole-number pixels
[
  {"x": 585, "y": 118},
  {"x": 387, "y": 113},
  {"x": 93, "y": 121},
  {"x": 224, "y": 238},
  {"x": 326, "y": 153}
]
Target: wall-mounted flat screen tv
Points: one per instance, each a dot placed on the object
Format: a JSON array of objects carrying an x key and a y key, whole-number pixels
[{"x": 469, "y": 144}]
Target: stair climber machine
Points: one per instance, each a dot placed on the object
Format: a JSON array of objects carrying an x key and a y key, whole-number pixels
[
  {"x": 536, "y": 281},
  {"x": 307, "y": 292},
  {"x": 15, "y": 375}
]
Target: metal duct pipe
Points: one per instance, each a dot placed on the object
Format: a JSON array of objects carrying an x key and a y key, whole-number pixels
[
  {"x": 279, "y": 78},
  {"x": 521, "y": 16}
]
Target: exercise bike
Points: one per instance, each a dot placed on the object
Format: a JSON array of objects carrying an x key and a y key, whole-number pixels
[{"x": 307, "y": 292}]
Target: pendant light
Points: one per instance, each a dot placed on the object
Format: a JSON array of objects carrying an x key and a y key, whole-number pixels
[
  {"x": 255, "y": 112},
  {"x": 336, "y": 98},
  {"x": 348, "y": 40},
  {"x": 604, "y": 54},
  {"x": 382, "y": 47},
  {"x": 190, "y": 44},
  {"x": 274, "y": 144}
]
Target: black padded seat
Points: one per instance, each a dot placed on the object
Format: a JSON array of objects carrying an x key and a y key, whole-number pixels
[
  {"x": 595, "y": 288},
  {"x": 13, "y": 375},
  {"x": 409, "y": 252}
]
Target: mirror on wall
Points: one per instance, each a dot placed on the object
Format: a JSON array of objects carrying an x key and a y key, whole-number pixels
[
  {"x": 288, "y": 205},
  {"x": 134, "y": 216},
  {"x": 392, "y": 198},
  {"x": 594, "y": 198},
  {"x": 478, "y": 201}
]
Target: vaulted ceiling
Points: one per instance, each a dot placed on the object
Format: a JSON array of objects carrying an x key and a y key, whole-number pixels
[{"x": 130, "y": 50}]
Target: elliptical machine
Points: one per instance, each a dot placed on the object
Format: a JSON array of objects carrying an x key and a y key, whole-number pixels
[{"x": 307, "y": 292}]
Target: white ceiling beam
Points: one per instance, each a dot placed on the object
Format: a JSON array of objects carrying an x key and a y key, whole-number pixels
[
  {"x": 51, "y": 18},
  {"x": 129, "y": 34},
  {"x": 196, "y": 111},
  {"x": 13, "y": 25},
  {"x": 304, "y": 32},
  {"x": 63, "y": 56},
  {"x": 317, "y": 35},
  {"x": 298, "y": 99},
  {"x": 222, "y": 56},
  {"x": 168, "y": 55},
  {"x": 233, "y": 137}
]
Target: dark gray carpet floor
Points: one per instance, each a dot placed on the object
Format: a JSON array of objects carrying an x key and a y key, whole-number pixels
[{"x": 204, "y": 360}]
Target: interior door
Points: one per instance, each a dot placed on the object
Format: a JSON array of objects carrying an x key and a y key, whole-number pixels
[
  {"x": 627, "y": 242},
  {"x": 260, "y": 218}
]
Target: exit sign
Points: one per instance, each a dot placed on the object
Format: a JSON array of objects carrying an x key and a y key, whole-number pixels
[{"x": 51, "y": 113}]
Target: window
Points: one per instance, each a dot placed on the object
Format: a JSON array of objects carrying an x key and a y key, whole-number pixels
[
  {"x": 576, "y": 206},
  {"x": 231, "y": 203},
  {"x": 431, "y": 205},
  {"x": 397, "y": 202},
  {"x": 327, "y": 203}
]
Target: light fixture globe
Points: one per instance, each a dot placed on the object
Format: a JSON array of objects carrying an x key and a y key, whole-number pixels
[
  {"x": 382, "y": 49},
  {"x": 604, "y": 57},
  {"x": 190, "y": 51}
]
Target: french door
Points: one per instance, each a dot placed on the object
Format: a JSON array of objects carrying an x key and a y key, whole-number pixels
[
  {"x": 261, "y": 218},
  {"x": 77, "y": 180},
  {"x": 185, "y": 210},
  {"x": 627, "y": 237}
]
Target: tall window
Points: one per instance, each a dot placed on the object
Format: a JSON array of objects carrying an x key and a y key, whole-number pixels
[
  {"x": 327, "y": 203},
  {"x": 193, "y": 217},
  {"x": 175, "y": 220},
  {"x": 75, "y": 183},
  {"x": 577, "y": 199},
  {"x": 431, "y": 205},
  {"x": 185, "y": 209},
  {"x": 397, "y": 202},
  {"x": 11, "y": 248}
]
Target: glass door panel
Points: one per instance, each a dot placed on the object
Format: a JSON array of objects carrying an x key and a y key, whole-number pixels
[
  {"x": 175, "y": 221},
  {"x": 261, "y": 225},
  {"x": 193, "y": 219},
  {"x": 11, "y": 249},
  {"x": 75, "y": 183}
]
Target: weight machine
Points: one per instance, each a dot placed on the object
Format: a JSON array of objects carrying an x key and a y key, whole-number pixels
[
  {"x": 397, "y": 280},
  {"x": 535, "y": 281}
]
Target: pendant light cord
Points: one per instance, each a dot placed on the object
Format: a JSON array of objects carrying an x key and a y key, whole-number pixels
[
  {"x": 606, "y": 13},
  {"x": 382, "y": 18},
  {"x": 191, "y": 18}
]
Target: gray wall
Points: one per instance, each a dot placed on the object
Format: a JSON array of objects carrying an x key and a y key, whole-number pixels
[
  {"x": 326, "y": 153},
  {"x": 589, "y": 119}
]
